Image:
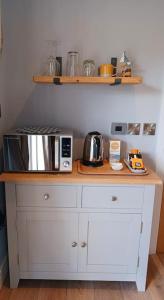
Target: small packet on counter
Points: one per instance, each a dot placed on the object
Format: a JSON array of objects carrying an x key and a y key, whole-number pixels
[{"x": 114, "y": 151}]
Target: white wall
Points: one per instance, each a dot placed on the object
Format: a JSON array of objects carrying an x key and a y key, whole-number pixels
[
  {"x": 160, "y": 141},
  {"x": 3, "y": 122},
  {"x": 3, "y": 84},
  {"x": 98, "y": 30}
]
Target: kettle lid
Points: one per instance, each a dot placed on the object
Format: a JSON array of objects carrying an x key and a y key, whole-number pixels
[{"x": 94, "y": 133}]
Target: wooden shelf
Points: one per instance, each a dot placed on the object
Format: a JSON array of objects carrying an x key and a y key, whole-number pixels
[{"x": 87, "y": 80}]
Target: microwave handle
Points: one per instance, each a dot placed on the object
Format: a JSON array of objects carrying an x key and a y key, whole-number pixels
[{"x": 57, "y": 153}]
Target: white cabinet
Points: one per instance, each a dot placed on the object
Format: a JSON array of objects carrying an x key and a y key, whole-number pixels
[
  {"x": 50, "y": 242},
  {"x": 110, "y": 242},
  {"x": 47, "y": 241},
  {"x": 79, "y": 231}
]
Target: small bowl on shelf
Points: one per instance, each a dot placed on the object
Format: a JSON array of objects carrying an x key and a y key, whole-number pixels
[{"x": 116, "y": 166}]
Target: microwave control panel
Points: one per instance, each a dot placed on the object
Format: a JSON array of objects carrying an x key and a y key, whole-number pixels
[
  {"x": 66, "y": 153},
  {"x": 66, "y": 147}
]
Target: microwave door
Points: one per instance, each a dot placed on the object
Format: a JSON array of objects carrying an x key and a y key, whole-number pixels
[
  {"x": 47, "y": 153},
  {"x": 43, "y": 153},
  {"x": 32, "y": 164},
  {"x": 25, "y": 151},
  {"x": 12, "y": 151},
  {"x": 56, "y": 153},
  {"x": 39, "y": 154}
]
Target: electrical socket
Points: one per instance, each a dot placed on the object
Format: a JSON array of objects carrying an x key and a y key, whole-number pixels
[
  {"x": 134, "y": 128},
  {"x": 119, "y": 128},
  {"x": 149, "y": 128}
]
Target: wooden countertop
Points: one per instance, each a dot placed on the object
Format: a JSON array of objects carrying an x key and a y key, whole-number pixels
[{"x": 75, "y": 177}]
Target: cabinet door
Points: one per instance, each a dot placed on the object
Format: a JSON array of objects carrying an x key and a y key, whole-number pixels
[
  {"x": 109, "y": 242},
  {"x": 47, "y": 241}
]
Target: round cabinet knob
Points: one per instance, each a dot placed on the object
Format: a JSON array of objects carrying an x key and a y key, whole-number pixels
[
  {"x": 114, "y": 198},
  {"x": 83, "y": 244},
  {"x": 66, "y": 163},
  {"x": 74, "y": 244},
  {"x": 46, "y": 196}
]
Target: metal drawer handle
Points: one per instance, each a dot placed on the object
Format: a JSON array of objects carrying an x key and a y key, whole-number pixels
[
  {"x": 83, "y": 244},
  {"x": 46, "y": 196},
  {"x": 74, "y": 244},
  {"x": 114, "y": 198}
]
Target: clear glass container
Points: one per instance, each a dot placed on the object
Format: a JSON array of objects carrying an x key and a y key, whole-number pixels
[
  {"x": 51, "y": 65},
  {"x": 89, "y": 67},
  {"x": 73, "y": 68}
]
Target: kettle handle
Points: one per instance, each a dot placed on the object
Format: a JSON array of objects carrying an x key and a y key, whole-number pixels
[{"x": 97, "y": 150}]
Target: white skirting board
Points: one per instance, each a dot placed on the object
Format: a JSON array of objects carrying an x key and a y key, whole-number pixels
[{"x": 3, "y": 271}]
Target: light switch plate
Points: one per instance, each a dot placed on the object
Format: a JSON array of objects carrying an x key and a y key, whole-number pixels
[
  {"x": 149, "y": 128},
  {"x": 119, "y": 128},
  {"x": 134, "y": 128}
]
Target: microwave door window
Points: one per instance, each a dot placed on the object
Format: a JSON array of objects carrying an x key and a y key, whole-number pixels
[
  {"x": 43, "y": 158},
  {"x": 32, "y": 164},
  {"x": 36, "y": 153},
  {"x": 47, "y": 152},
  {"x": 14, "y": 153},
  {"x": 25, "y": 151},
  {"x": 40, "y": 154}
]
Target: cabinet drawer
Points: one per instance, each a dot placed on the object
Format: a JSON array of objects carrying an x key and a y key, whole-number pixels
[
  {"x": 112, "y": 197},
  {"x": 46, "y": 195}
]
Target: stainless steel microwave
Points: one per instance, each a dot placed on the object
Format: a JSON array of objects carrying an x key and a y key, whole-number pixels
[{"x": 38, "y": 149}]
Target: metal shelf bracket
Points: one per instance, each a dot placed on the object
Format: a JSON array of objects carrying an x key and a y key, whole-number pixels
[
  {"x": 56, "y": 80},
  {"x": 117, "y": 81}
]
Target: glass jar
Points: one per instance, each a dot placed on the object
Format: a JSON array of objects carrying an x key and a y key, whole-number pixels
[
  {"x": 73, "y": 64},
  {"x": 52, "y": 67},
  {"x": 89, "y": 67}
]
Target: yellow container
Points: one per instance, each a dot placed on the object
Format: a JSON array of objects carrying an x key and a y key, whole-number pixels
[{"x": 106, "y": 70}]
